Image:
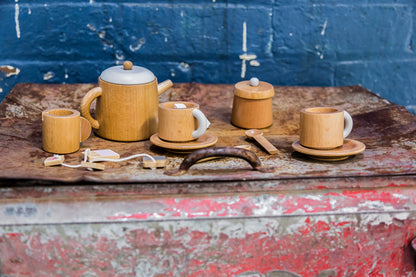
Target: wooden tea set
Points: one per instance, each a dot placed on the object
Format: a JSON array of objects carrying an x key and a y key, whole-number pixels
[{"x": 128, "y": 109}]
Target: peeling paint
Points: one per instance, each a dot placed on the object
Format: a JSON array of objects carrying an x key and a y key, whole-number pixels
[
  {"x": 16, "y": 18},
  {"x": 9, "y": 70},
  {"x": 324, "y": 27},
  {"x": 14, "y": 111},
  {"x": 254, "y": 63},
  {"x": 245, "y": 57},
  {"x": 184, "y": 66},
  {"x": 138, "y": 45},
  {"x": 243, "y": 61},
  {"x": 120, "y": 55},
  {"x": 48, "y": 75}
]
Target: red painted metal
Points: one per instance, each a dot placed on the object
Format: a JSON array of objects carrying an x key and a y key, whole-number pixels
[{"x": 221, "y": 218}]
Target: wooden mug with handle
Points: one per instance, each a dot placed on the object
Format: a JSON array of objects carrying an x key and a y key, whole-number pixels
[
  {"x": 324, "y": 127},
  {"x": 63, "y": 130},
  {"x": 181, "y": 121}
]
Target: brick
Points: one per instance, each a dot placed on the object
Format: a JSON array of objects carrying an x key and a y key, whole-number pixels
[
  {"x": 300, "y": 42},
  {"x": 59, "y": 32},
  {"x": 342, "y": 32},
  {"x": 393, "y": 80}
]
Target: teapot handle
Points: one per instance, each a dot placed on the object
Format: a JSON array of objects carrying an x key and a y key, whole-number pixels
[
  {"x": 164, "y": 86},
  {"x": 86, "y": 104}
]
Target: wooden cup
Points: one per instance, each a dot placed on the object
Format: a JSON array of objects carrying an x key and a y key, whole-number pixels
[
  {"x": 324, "y": 127},
  {"x": 63, "y": 130},
  {"x": 181, "y": 121}
]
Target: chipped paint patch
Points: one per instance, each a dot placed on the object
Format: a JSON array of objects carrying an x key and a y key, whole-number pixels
[
  {"x": 324, "y": 27},
  {"x": 184, "y": 66},
  {"x": 13, "y": 111},
  {"x": 245, "y": 57},
  {"x": 48, "y": 75},
  {"x": 138, "y": 45},
  {"x": 254, "y": 63},
  {"x": 16, "y": 18},
  {"x": 9, "y": 70}
]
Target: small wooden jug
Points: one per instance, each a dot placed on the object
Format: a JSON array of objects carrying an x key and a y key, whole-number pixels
[
  {"x": 127, "y": 103},
  {"x": 63, "y": 130},
  {"x": 252, "y": 105}
]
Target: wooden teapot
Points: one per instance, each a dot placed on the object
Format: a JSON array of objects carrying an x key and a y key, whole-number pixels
[{"x": 127, "y": 103}]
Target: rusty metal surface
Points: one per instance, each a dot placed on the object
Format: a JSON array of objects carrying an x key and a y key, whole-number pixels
[
  {"x": 387, "y": 130},
  {"x": 221, "y": 218},
  {"x": 222, "y": 236}
]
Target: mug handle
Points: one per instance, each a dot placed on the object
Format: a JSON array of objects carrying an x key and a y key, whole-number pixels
[
  {"x": 85, "y": 129},
  {"x": 347, "y": 124},
  {"x": 203, "y": 123},
  {"x": 86, "y": 104}
]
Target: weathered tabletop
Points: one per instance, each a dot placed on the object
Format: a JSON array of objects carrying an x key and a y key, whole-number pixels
[
  {"x": 222, "y": 218},
  {"x": 388, "y": 131}
]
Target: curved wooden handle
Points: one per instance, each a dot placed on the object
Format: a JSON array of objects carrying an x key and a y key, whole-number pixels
[
  {"x": 86, "y": 104},
  {"x": 244, "y": 154},
  {"x": 85, "y": 129},
  {"x": 164, "y": 86}
]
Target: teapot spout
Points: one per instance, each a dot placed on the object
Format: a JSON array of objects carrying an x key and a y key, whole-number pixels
[{"x": 164, "y": 86}]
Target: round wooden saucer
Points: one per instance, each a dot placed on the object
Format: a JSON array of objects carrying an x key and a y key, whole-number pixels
[
  {"x": 206, "y": 140},
  {"x": 349, "y": 148}
]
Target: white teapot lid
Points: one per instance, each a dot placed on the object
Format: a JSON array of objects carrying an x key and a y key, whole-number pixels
[{"x": 127, "y": 74}]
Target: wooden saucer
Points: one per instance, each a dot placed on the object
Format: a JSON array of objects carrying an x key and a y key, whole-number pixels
[
  {"x": 349, "y": 148},
  {"x": 206, "y": 140}
]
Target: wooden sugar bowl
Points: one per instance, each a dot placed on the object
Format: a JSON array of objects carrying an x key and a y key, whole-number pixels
[
  {"x": 252, "y": 105},
  {"x": 126, "y": 103}
]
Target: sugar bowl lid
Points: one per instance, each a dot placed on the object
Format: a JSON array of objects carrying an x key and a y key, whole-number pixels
[
  {"x": 253, "y": 89},
  {"x": 127, "y": 74}
]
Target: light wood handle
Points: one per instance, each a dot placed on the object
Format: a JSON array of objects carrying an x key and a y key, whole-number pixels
[
  {"x": 85, "y": 129},
  {"x": 266, "y": 144},
  {"x": 86, "y": 104},
  {"x": 164, "y": 86}
]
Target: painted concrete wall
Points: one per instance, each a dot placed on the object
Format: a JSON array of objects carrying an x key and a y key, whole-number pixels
[{"x": 284, "y": 42}]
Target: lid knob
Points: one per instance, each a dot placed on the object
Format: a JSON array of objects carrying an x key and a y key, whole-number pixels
[
  {"x": 127, "y": 65},
  {"x": 254, "y": 82}
]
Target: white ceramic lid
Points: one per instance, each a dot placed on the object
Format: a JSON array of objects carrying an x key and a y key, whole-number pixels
[{"x": 127, "y": 74}]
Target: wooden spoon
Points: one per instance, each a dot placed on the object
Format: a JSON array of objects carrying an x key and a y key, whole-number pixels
[{"x": 258, "y": 136}]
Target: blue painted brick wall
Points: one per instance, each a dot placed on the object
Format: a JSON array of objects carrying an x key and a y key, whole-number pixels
[{"x": 284, "y": 42}]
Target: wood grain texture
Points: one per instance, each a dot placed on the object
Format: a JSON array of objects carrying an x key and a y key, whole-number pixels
[
  {"x": 61, "y": 131},
  {"x": 252, "y": 113},
  {"x": 321, "y": 127},
  {"x": 177, "y": 125},
  {"x": 265, "y": 144},
  {"x": 126, "y": 112}
]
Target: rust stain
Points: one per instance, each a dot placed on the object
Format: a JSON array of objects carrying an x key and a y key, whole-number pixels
[{"x": 387, "y": 129}]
